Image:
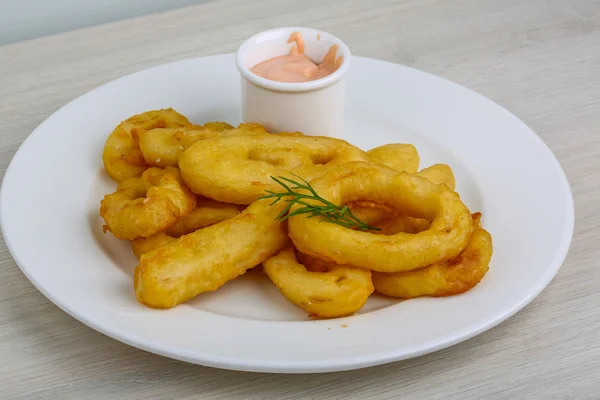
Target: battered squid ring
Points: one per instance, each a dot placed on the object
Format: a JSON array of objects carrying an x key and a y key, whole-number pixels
[
  {"x": 143, "y": 206},
  {"x": 206, "y": 259},
  {"x": 448, "y": 234},
  {"x": 121, "y": 155},
  {"x": 398, "y": 156},
  {"x": 207, "y": 212},
  {"x": 143, "y": 245},
  {"x": 338, "y": 292},
  {"x": 162, "y": 147},
  {"x": 218, "y": 126},
  {"x": 440, "y": 174},
  {"x": 445, "y": 278},
  {"x": 388, "y": 220},
  {"x": 239, "y": 169}
]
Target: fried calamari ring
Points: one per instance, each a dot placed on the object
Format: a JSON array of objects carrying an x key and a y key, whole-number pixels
[
  {"x": 388, "y": 220},
  {"x": 449, "y": 232},
  {"x": 207, "y": 212},
  {"x": 339, "y": 292},
  {"x": 398, "y": 156},
  {"x": 445, "y": 278},
  {"x": 143, "y": 206},
  {"x": 217, "y": 126},
  {"x": 440, "y": 174},
  {"x": 162, "y": 147},
  {"x": 239, "y": 169},
  {"x": 143, "y": 245},
  {"x": 206, "y": 259},
  {"x": 121, "y": 155}
]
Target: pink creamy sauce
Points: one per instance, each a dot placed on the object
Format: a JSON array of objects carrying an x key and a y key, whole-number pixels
[{"x": 297, "y": 67}]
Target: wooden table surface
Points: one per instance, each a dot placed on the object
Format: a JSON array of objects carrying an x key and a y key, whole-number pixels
[{"x": 538, "y": 58}]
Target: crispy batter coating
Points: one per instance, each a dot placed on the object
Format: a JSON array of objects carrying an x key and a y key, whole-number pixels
[
  {"x": 445, "y": 278},
  {"x": 449, "y": 231},
  {"x": 218, "y": 126},
  {"x": 337, "y": 292},
  {"x": 439, "y": 174},
  {"x": 146, "y": 205},
  {"x": 206, "y": 259},
  {"x": 391, "y": 221},
  {"x": 398, "y": 156},
  {"x": 190, "y": 241},
  {"x": 207, "y": 212},
  {"x": 143, "y": 245},
  {"x": 121, "y": 155},
  {"x": 162, "y": 147},
  {"x": 239, "y": 169}
]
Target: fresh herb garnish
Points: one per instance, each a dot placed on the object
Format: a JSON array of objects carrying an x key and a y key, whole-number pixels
[{"x": 329, "y": 212}]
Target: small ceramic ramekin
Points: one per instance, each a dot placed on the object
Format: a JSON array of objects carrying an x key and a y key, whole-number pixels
[{"x": 314, "y": 108}]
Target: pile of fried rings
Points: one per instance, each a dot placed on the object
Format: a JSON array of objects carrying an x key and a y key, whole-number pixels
[{"x": 189, "y": 200}]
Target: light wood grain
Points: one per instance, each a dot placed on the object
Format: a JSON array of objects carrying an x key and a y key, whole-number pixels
[{"x": 538, "y": 58}]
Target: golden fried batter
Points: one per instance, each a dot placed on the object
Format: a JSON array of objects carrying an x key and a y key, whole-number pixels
[
  {"x": 162, "y": 147},
  {"x": 146, "y": 205},
  {"x": 121, "y": 155},
  {"x": 398, "y": 156},
  {"x": 206, "y": 259},
  {"x": 337, "y": 292},
  {"x": 207, "y": 212},
  {"x": 239, "y": 169},
  {"x": 449, "y": 231},
  {"x": 439, "y": 174},
  {"x": 143, "y": 245},
  {"x": 445, "y": 278},
  {"x": 191, "y": 241},
  {"x": 217, "y": 126}
]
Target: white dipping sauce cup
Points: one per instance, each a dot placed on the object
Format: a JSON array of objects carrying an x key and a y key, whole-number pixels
[{"x": 314, "y": 108}]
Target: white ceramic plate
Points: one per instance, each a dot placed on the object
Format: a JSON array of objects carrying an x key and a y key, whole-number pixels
[{"x": 52, "y": 189}]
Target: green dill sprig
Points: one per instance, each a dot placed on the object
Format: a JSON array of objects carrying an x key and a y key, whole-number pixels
[{"x": 329, "y": 212}]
